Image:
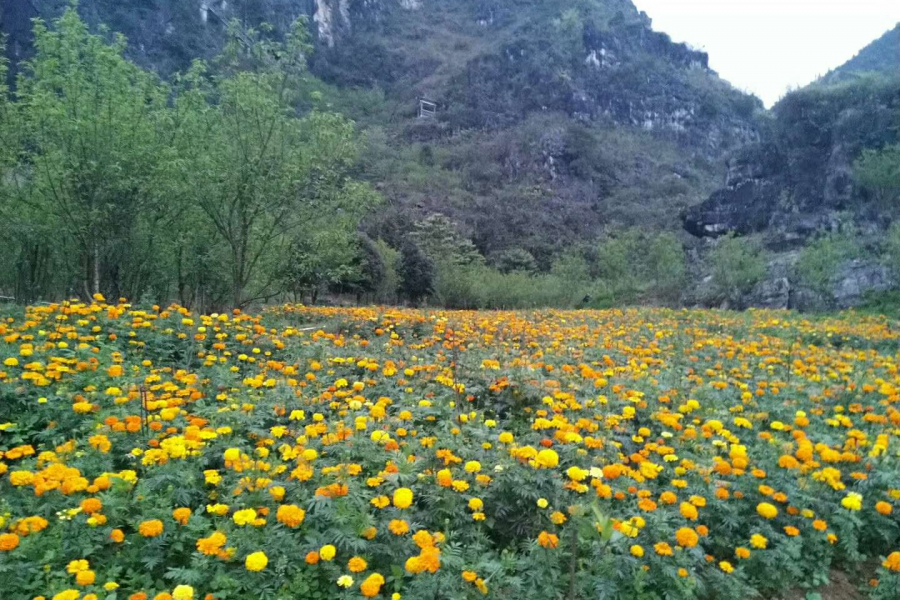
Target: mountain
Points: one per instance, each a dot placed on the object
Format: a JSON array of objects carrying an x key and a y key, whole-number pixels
[
  {"x": 881, "y": 56},
  {"x": 801, "y": 181},
  {"x": 551, "y": 123}
]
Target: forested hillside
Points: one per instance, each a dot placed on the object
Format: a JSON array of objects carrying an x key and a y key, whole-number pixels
[{"x": 522, "y": 142}]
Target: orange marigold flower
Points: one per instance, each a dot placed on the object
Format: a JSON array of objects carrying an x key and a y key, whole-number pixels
[
  {"x": 181, "y": 515},
  {"x": 290, "y": 515},
  {"x": 687, "y": 537},
  {"x": 8, "y": 542},
  {"x": 151, "y": 528},
  {"x": 547, "y": 540},
  {"x": 357, "y": 564},
  {"x": 663, "y": 549},
  {"x": 892, "y": 562},
  {"x": 371, "y": 585}
]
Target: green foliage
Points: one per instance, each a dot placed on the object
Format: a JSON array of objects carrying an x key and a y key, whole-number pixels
[
  {"x": 438, "y": 237},
  {"x": 515, "y": 260},
  {"x": 892, "y": 249},
  {"x": 416, "y": 272},
  {"x": 878, "y": 171},
  {"x": 738, "y": 264},
  {"x": 479, "y": 286},
  {"x": 820, "y": 260},
  {"x": 116, "y": 182},
  {"x": 633, "y": 264},
  {"x": 389, "y": 286}
]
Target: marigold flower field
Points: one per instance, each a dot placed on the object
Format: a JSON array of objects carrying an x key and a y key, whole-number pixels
[{"x": 150, "y": 453}]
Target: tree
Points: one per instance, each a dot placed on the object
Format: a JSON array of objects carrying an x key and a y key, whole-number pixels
[
  {"x": 439, "y": 238},
  {"x": 416, "y": 273},
  {"x": 268, "y": 180},
  {"x": 92, "y": 127},
  {"x": 738, "y": 264}
]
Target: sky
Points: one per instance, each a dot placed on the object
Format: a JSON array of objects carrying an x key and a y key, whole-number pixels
[{"x": 767, "y": 47}]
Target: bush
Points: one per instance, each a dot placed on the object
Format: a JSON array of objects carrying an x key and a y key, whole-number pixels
[
  {"x": 820, "y": 260},
  {"x": 478, "y": 286},
  {"x": 738, "y": 264},
  {"x": 892, "y": 249}
]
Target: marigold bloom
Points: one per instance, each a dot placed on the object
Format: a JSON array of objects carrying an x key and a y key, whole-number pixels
[
  {"x": 663, "y": 549},
  {"x": 766, "y": 510},
  {"x": 403, "y": 498},
  {"x": 687, "y": 537},
  {"x": 183, "y": 592},
  {"x": 290, "y": 515},
  {"x": 256, "y": 561},
  {"x": 548, "y": 540},
  {"x": 181, "y": 515},
  {"x": 758, "y": 541},
  {"x": 892, "y": 562},
  {"x": 8, "y": 542},
  {"x": 327, "y": 552},
  {"x": 151, "y": 528},
  {"x": 852, "y": 501},
  {"x": 547, "y": 458},
  {"x": 398, "y": 527},
  {"x": 357, "y": 565},
  {"x": 371, "y": 585}
]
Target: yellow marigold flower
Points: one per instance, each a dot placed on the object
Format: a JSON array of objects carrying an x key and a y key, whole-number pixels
[
  {"x": 688, "y": 511},
  {"x": 85, "y": 578},
  {"x": 67, "y": 595},
  {"x": 327, "y": 552},
  {"x": 637, "y": 551},
  {"x": 758, "y": 541},
  {"x": 726, "y": 566},
  {"x": 547, "y": 458},
  {"x": 256, "y": 561},
  {"x": 77, "y": 566},
  {"x": 766, "y": 510},
  {"x": 403, "y": 498},
  {"x": 473, "y": 466},
  {"x": 244, "y": 517},
  {"x": 345, "y": 581},
  {"x": 183, "y": 592},
  {"x": 663, "y": 549},
  {"x": 852, "y": 501},
  {"x": 542, "y": 503}
]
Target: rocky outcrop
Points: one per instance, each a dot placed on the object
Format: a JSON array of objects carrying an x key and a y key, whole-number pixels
[{"x": 799, "y": 179}]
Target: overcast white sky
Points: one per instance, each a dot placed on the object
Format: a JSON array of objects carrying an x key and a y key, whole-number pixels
[{"x": 768, "y": 46}]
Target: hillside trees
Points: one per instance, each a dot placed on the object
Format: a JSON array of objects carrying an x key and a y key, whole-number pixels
[{"x": 116, "y": 182}]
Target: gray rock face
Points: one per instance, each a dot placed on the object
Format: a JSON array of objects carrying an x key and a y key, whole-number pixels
[
  {"x": 754, "y": 185},
  {"x": 796, "y": 182}
]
